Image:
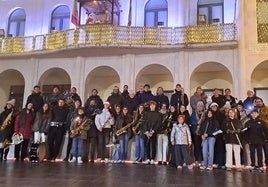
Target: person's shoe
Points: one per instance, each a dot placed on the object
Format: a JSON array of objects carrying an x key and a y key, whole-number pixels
[
  {"x": 91, "y": 161},
  {"x": 106, "y": 160},
  {"x": 239, "y": 169},
  {"x": 152, "y": 161},
  {"x": 73, "y": 160},
  {"x": 210, "y": 168},
  {"x": 228, "y": 169},
  {"x": 179, "y": 167},
  {"x": 147, "y": 161},
  {"x": 79, "y": 160},
  {"x": 202, "y": 167},
  {"x": 159, "y": 163},
  {"x": 261, "y": 169},
  {"x": 65, "y": 159},
  {"x": 191, "y": 167},
  {"x": 98, "y": 160},
  {"x": 164, "y": 163}
]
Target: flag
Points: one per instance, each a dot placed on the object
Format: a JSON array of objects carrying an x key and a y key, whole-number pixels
[
  {"x": 75, "y": 18},
  {"x": 130, "y": 13}
]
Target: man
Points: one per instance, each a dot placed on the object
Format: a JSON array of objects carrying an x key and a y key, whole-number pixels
[
  {"x": 218, "y": 98},
  {"x": 179, "y": 97},
  {"x": 149, "y": 128},
  {"x": 131, "y": 102},
  {"x": 248, "y": 103},
  {"x": 115, "y": 99},
  {"x": 199, "y": 95},
  {"x": 54, "y": 97},
  {"x": 161, "y": 98},
  {"x": 228, "y": 97},
  {"x": 263, "y": 115},
  {"x": 146, "y": 95},
  {"x": 125, "y": 91},
  {"x": 35, "y": 98},
  {"x": 94, "y": 95},
  {"x": 57, "y": 129}
]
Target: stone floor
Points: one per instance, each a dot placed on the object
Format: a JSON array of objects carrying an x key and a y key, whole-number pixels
[{"x": 58, "y": 174}]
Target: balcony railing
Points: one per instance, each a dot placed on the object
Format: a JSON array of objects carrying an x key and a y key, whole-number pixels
[{"x": 108, "y": 35}]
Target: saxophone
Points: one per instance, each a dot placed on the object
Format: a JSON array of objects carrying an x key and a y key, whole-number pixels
[
  {"x": 7, "y": 121},
  {"x": 77, "y": 130},
  {"x": 136, "y": 129},
  {"x": 123, "y": 130}
]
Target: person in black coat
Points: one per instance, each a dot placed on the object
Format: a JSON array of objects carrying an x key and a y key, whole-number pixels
[
  {"x": 94, "y": 95},
  {"x": 256, "y": 135},
  {"x": 161, "y": 98},
  {"x": 131, "y": 102},
  {"x": 36, "y": 99},
  {"x": 115, "y": 99},
  {"x": 179, "y": 98},
  {"x": 149, "y": 127}
]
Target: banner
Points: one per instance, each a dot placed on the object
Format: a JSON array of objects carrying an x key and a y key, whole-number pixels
[
  {"x": 75, "y": 17},
  {"x": 130, "y": 13}
]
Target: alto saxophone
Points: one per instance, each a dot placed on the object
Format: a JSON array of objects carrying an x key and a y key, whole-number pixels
[
  {"x": 77, "y": 130},
  {"x": 7, "y": 121},
  {"x": 136, "y": 129},
  {"x": 123, "y": 130}
]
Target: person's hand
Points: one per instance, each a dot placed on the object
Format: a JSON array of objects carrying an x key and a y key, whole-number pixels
[{"x": 172, "y": 143}]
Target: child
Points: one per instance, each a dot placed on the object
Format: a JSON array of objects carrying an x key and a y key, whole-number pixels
[
  {"x": 256, "y": 135},
  {"x": 79, "y": 129},
  {"x": 181, "y": 138}
]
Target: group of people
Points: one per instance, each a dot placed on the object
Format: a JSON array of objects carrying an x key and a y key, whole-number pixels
[{"x": 163, "y": 130}]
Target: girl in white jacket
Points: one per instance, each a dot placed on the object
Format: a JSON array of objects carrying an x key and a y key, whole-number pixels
[{"x": 181, "y": 138}]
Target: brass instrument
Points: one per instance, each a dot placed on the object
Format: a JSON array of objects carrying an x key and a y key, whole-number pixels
[
  {"x": 6, "y": 143},
  {"x": 7, "y": 121},
  {"x": 200, "y": 121},
  {"x": 70, "y": 102},
  {"x": 123, "y": 129},
  {"x": 136, "y": 129},
  {"x": 77, "y": 130}
]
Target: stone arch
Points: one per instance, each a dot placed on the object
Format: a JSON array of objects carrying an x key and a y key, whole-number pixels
[
  {"x": 12, "y": 85},
  {"x": 102, "y": 78},
  {"x": 52, "y": 77},
  {"x": 259, "y": 80},
  {"x": 211, "y": 75},
  {"x": 155, "y": 75}
]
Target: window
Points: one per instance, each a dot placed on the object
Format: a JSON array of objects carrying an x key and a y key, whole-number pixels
[
  {"x": 60, "y": 18},
  {"x": 210, "y": 11},
  {"x": 16, "y": 24},
  {"x": 156, "y": 13}
]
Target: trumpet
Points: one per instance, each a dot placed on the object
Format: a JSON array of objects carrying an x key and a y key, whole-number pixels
[{"x": 77, "y": 130}]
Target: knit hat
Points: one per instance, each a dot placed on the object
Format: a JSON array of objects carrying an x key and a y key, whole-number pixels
[
  {"x": 214, "y": 104},
  {"x": 12, "y": 102},
  {"x": 106, "y": 103},
  {"x": 227, "y": 105},
  {"x": 209, "y": 99},
  {"x": 200, "y": 103}
]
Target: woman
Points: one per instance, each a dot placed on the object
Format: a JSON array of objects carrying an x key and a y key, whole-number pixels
[
  {"x": 207, "y": 129},
  {"x": 139, "y": 141},
  {"x": 7, "y": 127},
  {"x": 23, "y": 125},
  {"x": 232, "y": 128},
  {"x": 123, "y": 121}
]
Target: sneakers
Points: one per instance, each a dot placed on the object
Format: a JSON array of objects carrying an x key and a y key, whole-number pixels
[
  {"x": 73, "y": 160},
  {"x": 239, "y": 169},
  {"x": 202, "y": 167},
  {"x": 152, "y": 161},
  {"x": 179, "y": 167},
  {"x": 147, "y": 161},
  {"x": 210, "y": 168},
  {"x": 79, "y": 160},
  {"x": 228, "y": 169},
  {"x": 190, "y": 167}
]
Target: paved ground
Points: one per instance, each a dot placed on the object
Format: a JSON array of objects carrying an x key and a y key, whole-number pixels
[{"x": 58, "y": 174}]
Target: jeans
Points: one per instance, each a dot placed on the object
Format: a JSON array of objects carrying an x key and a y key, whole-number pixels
[
  {"x": 77, "y": 146},
  {"x": 162, "y": 147},
  {"x": 139, "y": 147},
  {"x": 252, "y": 148},
  {"x": 208, "y": 151},
  {"x": 123, "y": 146}
]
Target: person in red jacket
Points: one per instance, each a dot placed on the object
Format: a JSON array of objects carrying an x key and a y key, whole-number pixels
[{"x": 23, "y": 125}]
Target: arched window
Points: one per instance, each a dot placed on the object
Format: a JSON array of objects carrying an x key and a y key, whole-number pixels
[
  {"x": 210, "y": 11},
  {"x": 60, "y": 18},
  {"x": 156, "y": 13},
  {"x": 16, "y": 23}
]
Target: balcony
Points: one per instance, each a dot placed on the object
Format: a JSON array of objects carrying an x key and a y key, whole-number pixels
[{"x": 121, "y": 36}]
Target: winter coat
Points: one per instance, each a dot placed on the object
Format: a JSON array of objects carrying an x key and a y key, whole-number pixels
[
  {"x": 59, "y": 114},
  {"x": 219, "y": 100},
  {"x": 160, "y": 99},
  {"x": 121, "y": 122},
  {"x": 97, "y": 99},
  {"x": 231, "y": 132},
  {"x": 103, "y": 120},
  {"x": 151, "y": 122},
  {"x": 177, "y": 99},
  {"x": 256, "y": 132},
  {"x": 9, "y": 130},
  {"x": 195, "y": 98},
  {"x": 195, "y": 117},
  {"x": 131, "y": 103},
  {"x": 37, "y": 100},
  {"x": 84, "y": 131},
  {"x": 146, "y": 96},
  {"x": 24, "y": 124},
  {"x": 209, "y": 126},
  {"x": 180, "y": 134},
  {"x": 42, "y": 121}
]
